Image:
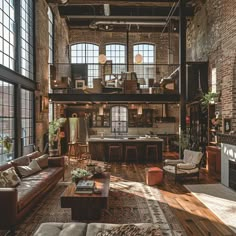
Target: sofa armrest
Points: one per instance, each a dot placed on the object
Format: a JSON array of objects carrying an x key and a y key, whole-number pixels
[
  {"x": 56, "y": 161},
  {"x": 8, "y": 207}
]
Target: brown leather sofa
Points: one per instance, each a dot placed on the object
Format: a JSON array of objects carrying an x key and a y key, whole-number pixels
[{"x": 16, "y": 202}]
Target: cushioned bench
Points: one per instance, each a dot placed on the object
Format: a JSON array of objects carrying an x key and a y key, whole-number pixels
[{"x": 96, "y": 229}]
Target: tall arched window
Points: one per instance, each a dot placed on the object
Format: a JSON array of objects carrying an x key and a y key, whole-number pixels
[
  {"x": 87, "y": 54},
  {"x": 146, "y": 69},
  {"x": 119, "y": 119},
  {"x": 116, "y": 53}
]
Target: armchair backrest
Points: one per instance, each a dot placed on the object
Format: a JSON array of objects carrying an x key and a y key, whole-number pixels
[{"x": 192, "y": 157}]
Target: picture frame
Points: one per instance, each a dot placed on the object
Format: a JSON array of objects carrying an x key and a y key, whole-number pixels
[
  {"x": 227, "y": 125},
  {"x": 79, "y": 84}
]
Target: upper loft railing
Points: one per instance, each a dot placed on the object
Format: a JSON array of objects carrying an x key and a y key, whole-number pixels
[{"x": 114, "y": 78}]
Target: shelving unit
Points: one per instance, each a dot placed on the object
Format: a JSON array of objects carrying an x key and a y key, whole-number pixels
[{"x": 211, "y": 127}]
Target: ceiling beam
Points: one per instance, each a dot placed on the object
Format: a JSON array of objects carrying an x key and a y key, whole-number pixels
[
  {"x": 155, "y": 98},
  {"x": 69, "y": 11},
  {"x": 118, "y": 2}
]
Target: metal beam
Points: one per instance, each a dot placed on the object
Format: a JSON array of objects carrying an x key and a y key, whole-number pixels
[
  {"x": 117, "y": 2},
  {"x": 113, "y": 98},
  {"x": 87, "y": 10}
]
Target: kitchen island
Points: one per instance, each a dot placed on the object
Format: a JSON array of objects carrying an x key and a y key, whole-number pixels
[{"x": 99, "y": 147}]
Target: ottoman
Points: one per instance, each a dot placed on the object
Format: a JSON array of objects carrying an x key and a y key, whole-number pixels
[{"x": 154, "y": 175}]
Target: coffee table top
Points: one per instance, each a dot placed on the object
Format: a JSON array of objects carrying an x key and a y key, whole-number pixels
[{"x": 102, "y": 183}]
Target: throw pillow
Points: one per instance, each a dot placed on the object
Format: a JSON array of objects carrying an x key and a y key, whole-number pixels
[
  {"x": 21, "y": 161},
  {"x": 42, "y": 161},
  {"x": 9, "y": 178},
  {"x": 130, "y": 230},
  {"x": 32, "y": 168}
]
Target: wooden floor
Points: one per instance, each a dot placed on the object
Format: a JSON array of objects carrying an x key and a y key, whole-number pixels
[{"x": 191, "y": 213}]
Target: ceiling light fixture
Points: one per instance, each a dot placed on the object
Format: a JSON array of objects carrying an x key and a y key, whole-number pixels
[
  {"x": 138, "y": 58},
  {"x": 102, "y": 58}
]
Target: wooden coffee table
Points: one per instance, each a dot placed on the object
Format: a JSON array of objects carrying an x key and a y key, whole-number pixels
[{"x": 87, "y": 206}]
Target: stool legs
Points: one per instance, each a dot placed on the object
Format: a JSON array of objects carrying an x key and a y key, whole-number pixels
[
  {"x": 149, "y": 148},
  {"x": 113, "y": 148},
  {"x": 129, "y": 148}
]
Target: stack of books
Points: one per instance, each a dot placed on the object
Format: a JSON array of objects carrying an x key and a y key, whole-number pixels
[{"x": 85, "y": 186}]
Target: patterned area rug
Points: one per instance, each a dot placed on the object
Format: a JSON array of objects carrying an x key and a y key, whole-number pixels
[{"x": 130, "y": 201}]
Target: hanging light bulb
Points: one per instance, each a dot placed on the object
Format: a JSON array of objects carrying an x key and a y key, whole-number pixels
[
  {"x": 138, "y": 58},
  {"x": 140, "y": 110},
  {"x": 102, "y": 59}
]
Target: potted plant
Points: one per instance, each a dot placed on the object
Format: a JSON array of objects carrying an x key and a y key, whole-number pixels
[
  {"x": 79, "y": 174},
  {"x": 208, "y": 98},
  {"x": 7, "y": 143},
  {"x": 53, "y": 133}
]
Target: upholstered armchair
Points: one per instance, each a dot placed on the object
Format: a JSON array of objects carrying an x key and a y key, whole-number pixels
[{"x": 187, "y": 167}]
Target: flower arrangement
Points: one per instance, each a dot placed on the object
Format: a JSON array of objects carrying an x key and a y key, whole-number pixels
[
  {"x": 7, "y": 143},
  {"x": 79, "y": 174}
]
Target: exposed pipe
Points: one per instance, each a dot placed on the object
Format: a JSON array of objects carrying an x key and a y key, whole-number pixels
[{"x": 94, "y": 25}]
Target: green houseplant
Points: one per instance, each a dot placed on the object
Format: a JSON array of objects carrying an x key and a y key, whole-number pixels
[
  {"x": 53, "y": 131},
  {"x": 208, "y": 98}
]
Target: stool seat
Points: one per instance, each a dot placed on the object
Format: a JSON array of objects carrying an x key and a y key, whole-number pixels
[
  {"x": 115, "y": 148},
  {"x": 129, "y": 148},
  {"x": 150, "y": 147},
  {"x": 154, "y": 175}
]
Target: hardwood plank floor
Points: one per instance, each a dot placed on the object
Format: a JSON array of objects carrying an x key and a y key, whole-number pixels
[{"x": 194, "y": 216}]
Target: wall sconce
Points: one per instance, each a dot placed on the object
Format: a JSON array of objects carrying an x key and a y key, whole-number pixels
[
  {"x": 100, "y": 110},
  {"x": 102, "y": 59},
  {"x": 140, "y": 109},
  {"x": 138, "y": 58}
]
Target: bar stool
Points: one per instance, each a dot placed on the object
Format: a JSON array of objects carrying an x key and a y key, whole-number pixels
[
  {"x": 132, "y": 148},
  {"x": 115, "y": 149},
  {"x": 150, "y": 147}
]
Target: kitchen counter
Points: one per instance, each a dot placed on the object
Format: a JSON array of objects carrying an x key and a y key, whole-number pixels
[
  {"x": 125, "y": 139},
  {"x": 99, "y": 147}
]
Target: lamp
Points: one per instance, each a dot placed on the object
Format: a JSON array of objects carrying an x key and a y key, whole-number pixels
[
  {"x": 138, "y": 58},
  {"x": 102, "y": 59},
  {"x": 100, "y": 110},
  {"x": 140, "y": 110}
]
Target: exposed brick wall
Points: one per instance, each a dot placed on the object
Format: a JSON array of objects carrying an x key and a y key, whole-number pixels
[
  {"x": 211, "y": 36},
  {"x": 42, "y": 47}
]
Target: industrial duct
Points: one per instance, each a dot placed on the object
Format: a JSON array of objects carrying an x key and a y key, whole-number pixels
[{"x": 95, "y": 24}]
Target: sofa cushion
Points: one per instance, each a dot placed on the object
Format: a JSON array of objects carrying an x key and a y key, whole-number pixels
[
  {"x": 42, "y": 161},
  {"x": 104, "y": 229},
  {"x": 30, "y": 169},
  {"x": 192, "y": 157},
  {"x": 33, "y": 185},
  {"x": 9, "y": 178},
  {"x": 21, "y": 161},
  {"x": 33, "y": 155},
  {"x": 62, "y": 229}
]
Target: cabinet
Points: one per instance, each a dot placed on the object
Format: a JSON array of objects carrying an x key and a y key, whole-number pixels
[
  {"x": 144, "y": 120},
  {"x": 101, "y": 120},
  {"x": 213, "y": 156}
]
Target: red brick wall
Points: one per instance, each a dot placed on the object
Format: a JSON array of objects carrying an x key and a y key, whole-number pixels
[{"x": 212, "y": 36}]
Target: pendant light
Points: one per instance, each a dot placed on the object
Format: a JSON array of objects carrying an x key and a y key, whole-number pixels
[
  {"x": 140, "y": 109},
  {"x": 138, "y": 58},
  {"x": 102, "y": 59}
]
